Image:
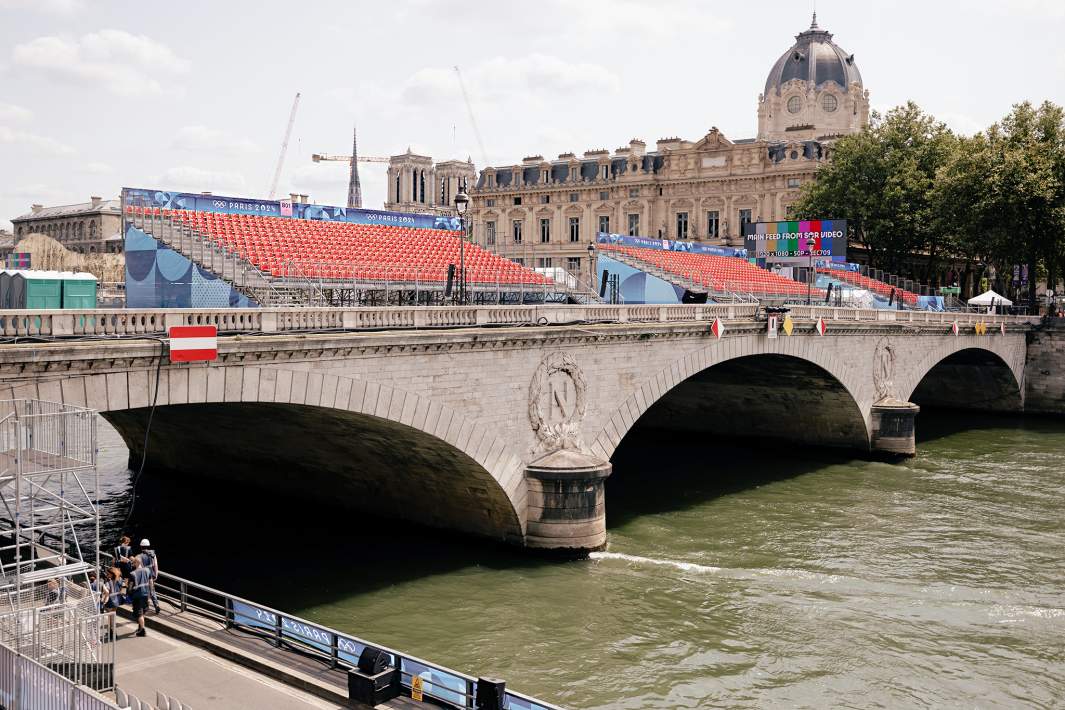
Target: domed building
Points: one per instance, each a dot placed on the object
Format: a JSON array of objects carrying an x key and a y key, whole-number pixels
[
  {"x": 814, "y": 91},
  {"x": 546, "y": 212}
]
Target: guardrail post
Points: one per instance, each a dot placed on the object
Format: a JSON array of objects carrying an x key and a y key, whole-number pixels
[
  {"x": 229, "y": 613},
  {"x": 334, "y": 651},
  {"x": 278, "y": 627},
  {"x": 470, "y": 700},
  {"x": 184, "y": 596}
]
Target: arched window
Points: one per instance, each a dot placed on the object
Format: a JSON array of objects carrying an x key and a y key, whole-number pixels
[
  {"x": 829, "y": 103},
  {"x": 794, "y": 104},
  {"x": 397, "y": 187},
  {"x": 92, "y": 229},
  {"x": 421, "y": 188}
]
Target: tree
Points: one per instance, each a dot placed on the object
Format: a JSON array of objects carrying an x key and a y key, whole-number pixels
[
  {"x": 1026, "y": 187},
  {"x": 881, "y": 180}
]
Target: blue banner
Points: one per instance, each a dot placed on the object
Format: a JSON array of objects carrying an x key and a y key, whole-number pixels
[
  {"x": 668, "y": 245},
  {"x": 840, "y": 265},
  {"x": 283, "y": 208}
]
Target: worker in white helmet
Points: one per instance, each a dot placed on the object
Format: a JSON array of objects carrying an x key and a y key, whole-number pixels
[{"x": 151, "y": 562}]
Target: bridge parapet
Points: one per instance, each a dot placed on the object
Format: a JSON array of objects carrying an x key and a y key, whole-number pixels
[{"x": 110, "y": 322}]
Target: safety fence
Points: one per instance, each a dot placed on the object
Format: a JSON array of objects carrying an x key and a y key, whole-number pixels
[
  {"x": 26, "y": 684},
  {"x": 64, "y": 639},
  {"x": 336, "y": 649},
  {"x": 151, "y": 322}
]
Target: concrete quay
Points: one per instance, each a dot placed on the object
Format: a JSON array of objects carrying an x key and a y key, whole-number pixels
[{"x": 201, "y": 664}]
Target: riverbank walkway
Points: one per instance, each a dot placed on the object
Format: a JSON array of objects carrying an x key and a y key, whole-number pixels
[{"x": 193, "y": 660}]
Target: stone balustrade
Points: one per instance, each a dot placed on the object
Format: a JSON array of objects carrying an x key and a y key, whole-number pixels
[{"x": 127, "y": 322}]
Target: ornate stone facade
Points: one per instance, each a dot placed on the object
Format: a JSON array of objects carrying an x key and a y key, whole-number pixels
[
  {"x": 546, "y": 213},
  {"x": 86, "y": 228},
  {"x": 416, "y": 184}
]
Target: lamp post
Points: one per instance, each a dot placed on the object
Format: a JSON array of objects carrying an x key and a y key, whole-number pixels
[
  {"x": 462, "y": 202},
  {"x": 591, "y": 265},
  {"x": 810, "y": 243}
]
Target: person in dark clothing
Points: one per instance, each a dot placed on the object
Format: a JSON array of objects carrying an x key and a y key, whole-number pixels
[
  {"x": 149, "y": 560},
  {"x": 100, "y": 589},
  {"x": 124, "y": 555},
  {"x": 115, "y": 588},
  {"x": 140, "y": 580}
]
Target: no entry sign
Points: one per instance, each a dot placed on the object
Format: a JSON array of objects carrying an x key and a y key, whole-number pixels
[{"x": 193, "y": 343}]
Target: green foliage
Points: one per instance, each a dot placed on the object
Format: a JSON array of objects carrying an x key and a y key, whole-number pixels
[{"x": 909, "y": 186}]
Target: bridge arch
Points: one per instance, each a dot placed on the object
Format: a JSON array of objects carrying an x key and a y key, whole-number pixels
[
  {"x": 792, "y": 374},
  {"x": 456, "y": 473},
  {"x": 969, "y": 372}
]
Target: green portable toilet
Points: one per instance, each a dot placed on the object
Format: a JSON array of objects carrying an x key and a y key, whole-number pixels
[
  {"x": 79, "y": 290},
  {"x": 37, "y": 290}
]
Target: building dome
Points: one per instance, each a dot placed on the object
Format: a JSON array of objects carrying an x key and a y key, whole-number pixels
[{"x": 816, "y": 59}]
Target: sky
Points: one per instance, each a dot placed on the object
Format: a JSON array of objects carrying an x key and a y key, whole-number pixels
[{"x": 192, "y": 96}]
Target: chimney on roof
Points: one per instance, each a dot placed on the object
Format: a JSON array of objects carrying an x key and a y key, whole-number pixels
[
  {"x": 305, "y": 199},
  {"x": 35, "y": 208},
  {"x": 294, "y": 198},
  {"x": 96, "y": 200}
]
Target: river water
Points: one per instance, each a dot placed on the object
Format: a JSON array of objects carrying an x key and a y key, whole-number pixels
[{"x": 735, "y": 577}]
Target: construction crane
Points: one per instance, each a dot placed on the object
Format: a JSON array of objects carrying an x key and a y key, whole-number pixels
[
  {"x": 284, "y": 146},
  {"x": 473, "y": 121}
]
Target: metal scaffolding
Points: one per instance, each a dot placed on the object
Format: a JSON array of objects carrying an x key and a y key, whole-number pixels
[
  {"x": 48, "y": 485},
  {"x": 50, "y": 540}
]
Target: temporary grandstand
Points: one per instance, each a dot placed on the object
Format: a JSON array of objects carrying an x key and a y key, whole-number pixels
[
  {"x": 330, "y": 259},
  {"x": 723, "y": 278},
  {"x": 874, "y": 285}
]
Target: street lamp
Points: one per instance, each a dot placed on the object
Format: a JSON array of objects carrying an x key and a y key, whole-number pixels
[
  {"x": 462, "y": 202},
  {"x": 591, "y": 265},
  {"x": 810, "y": 243}
]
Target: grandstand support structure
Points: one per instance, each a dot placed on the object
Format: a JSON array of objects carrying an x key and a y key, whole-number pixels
[
  {"x": 50, "y": 524},
  {"x": 342, "y": 279}
]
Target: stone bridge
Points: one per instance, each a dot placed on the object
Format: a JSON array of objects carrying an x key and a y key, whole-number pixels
[{"x": 500, "y": 421}]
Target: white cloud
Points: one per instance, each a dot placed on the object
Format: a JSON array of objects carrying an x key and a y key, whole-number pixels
[
  {"x": 198, "y": 138},
  {"x": 53, "y": 7},
  {"x": 12, "y": 113},
  {"x": 961, "y": 123},
  {"x": 193, "y": 179},
  {"x": 33, "y": 142},
  {"x": 1037, "y": 8},
  {"x": 96, "y": 168},
  {"x": 120, "y": 62},
  {"x": 532, "y": 77}
]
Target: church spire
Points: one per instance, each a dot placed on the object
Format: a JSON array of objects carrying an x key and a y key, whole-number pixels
[
  {"x": 813, "y": 22},
  {"x": 354, "y": 188}
]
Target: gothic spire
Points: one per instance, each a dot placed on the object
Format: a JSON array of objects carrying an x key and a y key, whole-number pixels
[{"x": 354, "y": 188}]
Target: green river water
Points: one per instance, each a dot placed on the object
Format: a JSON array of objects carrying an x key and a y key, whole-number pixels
[{"x": 754, "y": 576}]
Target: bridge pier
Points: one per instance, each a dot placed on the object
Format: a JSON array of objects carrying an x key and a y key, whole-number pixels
[
  {"x": 893, "y": 427},
  {"x": 567, "y": 502}
]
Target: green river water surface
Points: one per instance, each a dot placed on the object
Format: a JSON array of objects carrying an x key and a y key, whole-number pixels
[{"x": 756, "y": 576}]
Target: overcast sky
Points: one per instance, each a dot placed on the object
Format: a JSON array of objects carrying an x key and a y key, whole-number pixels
[{"x": 95, "y": 95}]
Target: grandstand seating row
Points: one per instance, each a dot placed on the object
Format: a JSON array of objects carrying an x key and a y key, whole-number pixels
[
  {"x": 718, "y": 273},
  {"x": 878, "y": 287},
  {"x": 295, "y": 248}
]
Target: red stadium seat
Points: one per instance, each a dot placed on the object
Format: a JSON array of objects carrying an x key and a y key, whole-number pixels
[{"x": 345, "y": 251}]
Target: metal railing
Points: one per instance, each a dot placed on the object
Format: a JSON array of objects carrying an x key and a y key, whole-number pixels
[
  {"x": 335, "y": 648},
  {"x": 28, "y": 685}
]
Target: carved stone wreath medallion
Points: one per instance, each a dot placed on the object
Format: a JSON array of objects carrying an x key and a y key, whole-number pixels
[{"x": 558, "y": 398}]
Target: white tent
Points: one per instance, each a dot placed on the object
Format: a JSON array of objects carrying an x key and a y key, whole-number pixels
[{"x": 990, "y": 298}]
